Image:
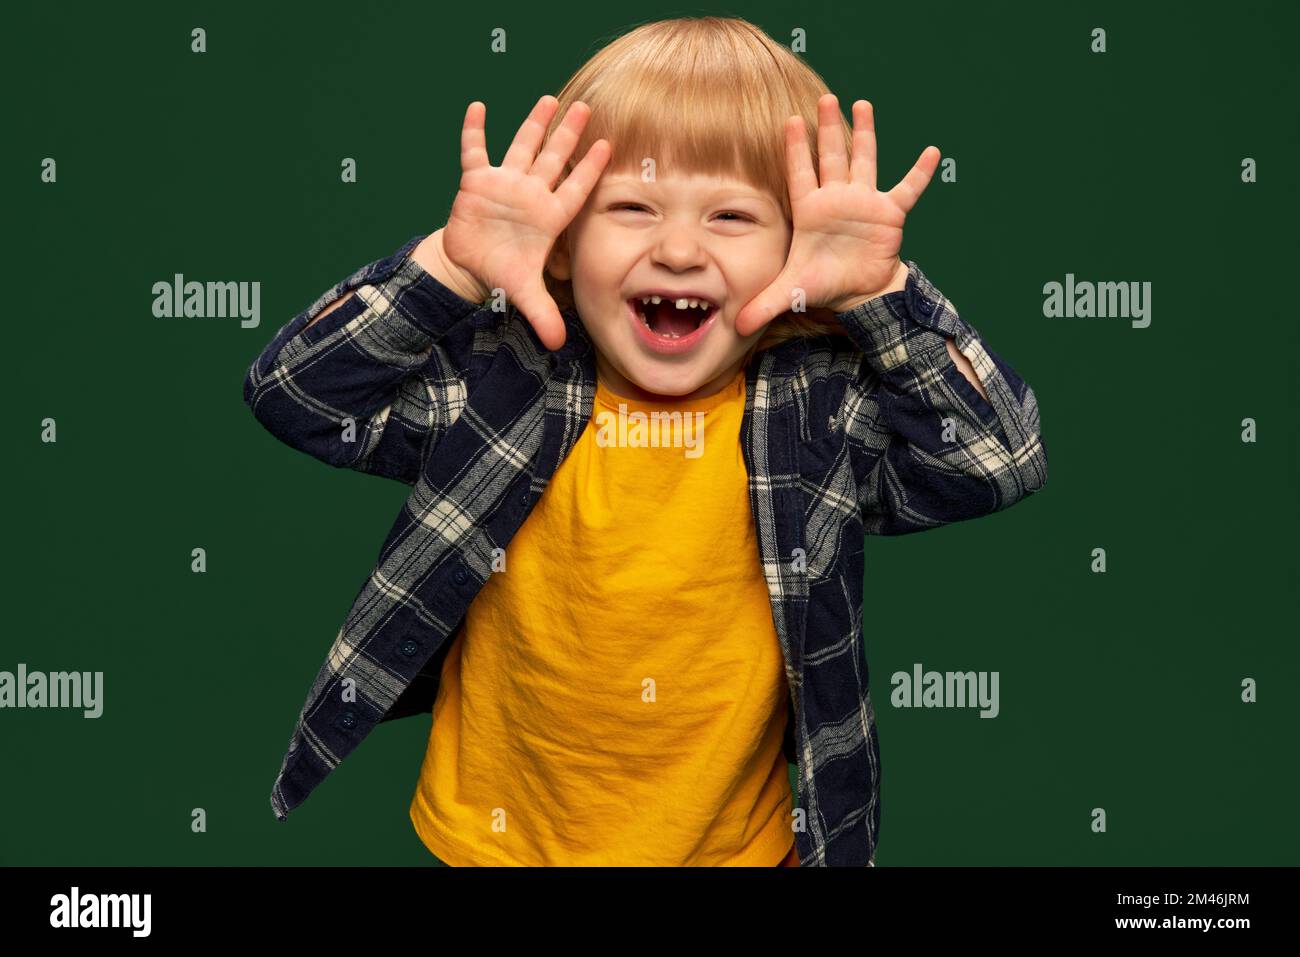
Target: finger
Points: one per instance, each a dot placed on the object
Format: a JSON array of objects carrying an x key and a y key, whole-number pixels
[
  {"x": 834, "y": 164},
  {"x": 560, "y": 146},
  {"x": 766, "y": 306},
  {"x": 473, "y": 147},
  {"x": 863, "y": 166},
  {"x": 799, "y": 173},
  {"x": 528, "y": 138},
  {"x": 537, "y": 306},
  {"x": 577, "y": 186},
  {"x": 911, "y": 186}
]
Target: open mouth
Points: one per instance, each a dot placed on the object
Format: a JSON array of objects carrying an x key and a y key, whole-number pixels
[{"x": 671, "y": 318}]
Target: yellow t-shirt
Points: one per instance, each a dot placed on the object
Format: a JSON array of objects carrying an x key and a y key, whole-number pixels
[{"x": 618, "y": 694}]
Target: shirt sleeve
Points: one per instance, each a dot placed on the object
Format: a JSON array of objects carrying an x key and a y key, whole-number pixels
[
  {"x": 376, "y": 382},
  {"x": 931, "y": 449}
]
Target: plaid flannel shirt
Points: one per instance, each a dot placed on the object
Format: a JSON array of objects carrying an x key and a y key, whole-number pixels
[{"x": 464, "y": 404}]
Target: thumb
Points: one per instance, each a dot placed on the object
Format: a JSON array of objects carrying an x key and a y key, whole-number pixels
[
  {"x": 764, "y": 307},
  {"x": 542, "y": 314}
]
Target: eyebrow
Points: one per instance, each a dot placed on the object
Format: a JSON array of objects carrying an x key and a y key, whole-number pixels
[{"x": 625, "y": 181}]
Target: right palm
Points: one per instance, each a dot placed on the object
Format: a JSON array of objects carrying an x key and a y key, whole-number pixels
[{"x": 506, "y": 218}]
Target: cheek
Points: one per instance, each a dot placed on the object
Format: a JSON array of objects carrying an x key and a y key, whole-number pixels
[
  {"x": 766, "y": 253},
  {"x": 598, "y": 266},
  {"x": 753, "y": 274}
]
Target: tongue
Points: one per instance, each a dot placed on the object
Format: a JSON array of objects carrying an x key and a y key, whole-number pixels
[{"x": 667, "y": 319}]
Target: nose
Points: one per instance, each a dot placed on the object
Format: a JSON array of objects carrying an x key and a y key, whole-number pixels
[{"x": 677, "y": 248}]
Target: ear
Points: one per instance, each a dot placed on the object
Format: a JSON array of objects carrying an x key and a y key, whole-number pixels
[{"x": 559, "y": 263}]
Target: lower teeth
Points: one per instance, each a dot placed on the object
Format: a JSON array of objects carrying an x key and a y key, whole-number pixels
[{"x": 670, "y": 335}]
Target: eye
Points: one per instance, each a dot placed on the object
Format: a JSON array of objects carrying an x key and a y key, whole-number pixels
[{"x": 737, "y": 217}]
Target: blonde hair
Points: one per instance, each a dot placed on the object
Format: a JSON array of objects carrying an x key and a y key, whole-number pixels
[{"x": 712, "y": 93}]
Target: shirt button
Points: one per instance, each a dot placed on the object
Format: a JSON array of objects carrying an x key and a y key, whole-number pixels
[
  {"x": 409, "y": 647},
  {"x": 523, "y": 498},
  {"x": 348, "y": 720},
  {"x": 459, "y": 576}
]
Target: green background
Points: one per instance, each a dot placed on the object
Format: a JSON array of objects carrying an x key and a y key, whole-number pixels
[{"x": 1119, "y": 691}]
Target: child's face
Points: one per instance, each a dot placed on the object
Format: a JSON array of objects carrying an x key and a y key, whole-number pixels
[{"x": 717, "y": 237}]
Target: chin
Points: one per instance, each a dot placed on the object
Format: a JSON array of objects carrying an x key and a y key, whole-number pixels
[{"x": 669, "y": 385}]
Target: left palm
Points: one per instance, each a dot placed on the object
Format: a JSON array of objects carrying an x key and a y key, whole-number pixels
[{"x": 846, "y": 234}]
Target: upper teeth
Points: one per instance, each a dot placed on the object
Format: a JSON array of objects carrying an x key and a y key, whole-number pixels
[{"x": 679, "y": 303}]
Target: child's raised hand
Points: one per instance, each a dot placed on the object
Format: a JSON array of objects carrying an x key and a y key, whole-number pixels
[
  {"x": 506, "y": 218},
  {"x": 846, "y": 234}
]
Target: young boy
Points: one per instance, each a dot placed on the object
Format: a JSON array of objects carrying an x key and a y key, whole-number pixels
[{"x": 625, "y": 635}]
